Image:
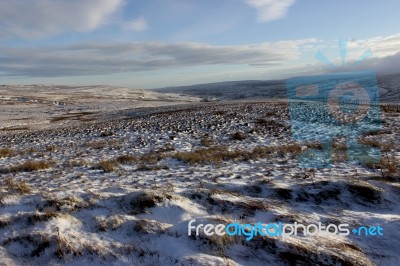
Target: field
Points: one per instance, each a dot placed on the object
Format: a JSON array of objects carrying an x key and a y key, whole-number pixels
[{"x": 82, "y": 183}]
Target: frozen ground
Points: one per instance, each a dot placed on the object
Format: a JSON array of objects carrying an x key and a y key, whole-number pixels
[{"x": 121, "y": 191}]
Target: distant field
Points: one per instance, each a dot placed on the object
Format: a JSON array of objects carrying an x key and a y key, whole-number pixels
[{"x": 389, "y": 89}]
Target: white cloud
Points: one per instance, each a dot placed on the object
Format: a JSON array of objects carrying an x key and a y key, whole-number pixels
[
  {"x": 138, "y": 24},
  {"x": 379, "y": 54},
  {"x": 42, "y": 18},
  {"x": 110, "y": 58},
  {"x": 380, "y": 46},
  {"x": 269, "y": 10}
]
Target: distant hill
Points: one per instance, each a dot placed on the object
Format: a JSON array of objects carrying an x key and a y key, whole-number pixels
[{"x": 389, "y": 89}]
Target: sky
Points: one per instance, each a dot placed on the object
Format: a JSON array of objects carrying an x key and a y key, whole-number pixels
[{"x": 160, "y": 43}]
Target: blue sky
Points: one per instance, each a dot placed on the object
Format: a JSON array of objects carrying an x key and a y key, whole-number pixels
[{"x": 158, "y": 43}]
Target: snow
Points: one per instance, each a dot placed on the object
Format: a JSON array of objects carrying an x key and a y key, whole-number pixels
[{"x": 139, "y": 216}]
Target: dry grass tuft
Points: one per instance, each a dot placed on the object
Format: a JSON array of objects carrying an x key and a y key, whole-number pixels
[
  {"x": 149, "y": 227},
  {"x": 34, "y": 166},
  {"x": 209, "y": 155},
  {"x": 112, "y": 223},
  {"x": 388, "y": 165},
  {"x": 390, "y": 108},
  {"x": 143, "y": 167},
  {"x": 64, "y": 247},
  {"x": 152, "y": 157},
  {"x": 260, "y": 152},
  {"x": 6, "y": 152},
  {"x": 218, "y": 154},
  {"x": 101, "y": 144},
  {"x": 39, "y": 217},
  {"x": 207, "y": 141},
  {"x": 107, "y": 165},
  {"x": 218, "y": 244},
  {"x": 28, "y": 166},
  {"x": 18, "y": 187},
  {"x": 141, "y": 202},
  {"x": 381, "y": 144},
  {"x": 51, "y": 148},
  {"x": 126, "y": 159},
  {"x": 239, "y": 136},
  {"x": 220, "y": 112},
  {"x": 106, "y": 134}
]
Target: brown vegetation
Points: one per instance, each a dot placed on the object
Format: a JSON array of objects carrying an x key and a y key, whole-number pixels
[
  {"x": 6, "y": 152},
  {"x": 21, "y": 187},
  {"x": 107, "y": 165},
  {"x": 28, "y": 166}
]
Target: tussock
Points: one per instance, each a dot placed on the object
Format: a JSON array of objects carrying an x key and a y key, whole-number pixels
[
  {"x": 20, "y": 187},
  {"x": 6, "y": 152},
  {"x": 28, "y": 166},
  {"x": 107, "y": 165},
  {"x": 141, "y": 202}
]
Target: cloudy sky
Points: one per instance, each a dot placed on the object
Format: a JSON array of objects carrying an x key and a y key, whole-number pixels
[{"x": 158, "y": 43}]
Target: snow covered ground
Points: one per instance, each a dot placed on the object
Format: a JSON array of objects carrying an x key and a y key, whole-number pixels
[
  {"x": 48, "y": 106},
  {"x": 120, "y": 189}
]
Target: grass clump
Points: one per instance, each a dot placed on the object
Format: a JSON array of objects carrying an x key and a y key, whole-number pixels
[
  {"x": 381, "y": 144},
  {"x": 110, "y": 223},
  {"x": 106, "y": 134},
  {"x": 209, "y": 155},
  {"x": 51, "y": 148},
  {"x": 21, "y": 187},
  {"x": 218, "y": 154},
  {"x": 260, "y": 152},
  {"x": 40, "y": 217},
  {"x": 390, "y": 108},
  {"x": 143, "y": 168},
  {"x": 207, "y": 141},
  {"x": 34, "y": 166},
  {"x": 142, "y": 202},
  {"x": 239, "y": 136},
  {"x": 6, "y": 152},
  {"x": 126, "y": 159},
  {"x": 107, "y": 165},
  {"x": 387, "y": 165},
  {"x": 28, "y": 166},
  {"x": 98, "y": 145}
]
